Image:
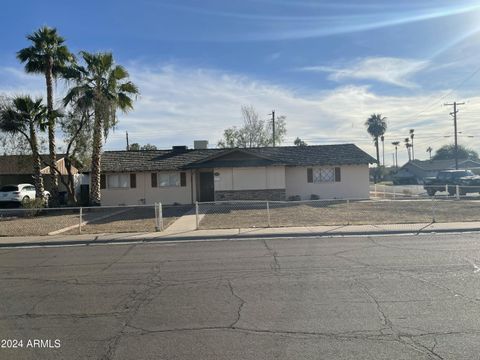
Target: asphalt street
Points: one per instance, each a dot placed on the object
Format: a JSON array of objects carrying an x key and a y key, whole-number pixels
[{"x": 397, "y": 297}]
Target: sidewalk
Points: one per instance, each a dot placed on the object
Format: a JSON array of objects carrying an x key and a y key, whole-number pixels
[{"x": 247, "y": 233}]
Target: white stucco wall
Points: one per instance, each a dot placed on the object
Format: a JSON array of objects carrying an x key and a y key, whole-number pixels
[
  {"x": 250, "y": 178},
  {"x": 144, "y": 190},
  {"x": 354, "y": 184}
]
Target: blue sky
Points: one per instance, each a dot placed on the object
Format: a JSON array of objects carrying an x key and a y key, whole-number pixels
[{"x": 325, "y": 65}]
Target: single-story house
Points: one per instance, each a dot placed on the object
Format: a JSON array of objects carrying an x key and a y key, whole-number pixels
[
  {"x": 415, "y": 171},
  {"x": 18, "y": 169},
  {"x": 183, "y": 175}
]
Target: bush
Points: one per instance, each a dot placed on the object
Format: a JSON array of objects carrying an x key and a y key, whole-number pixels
[
  {"x": 294, "y": 198},
  {"x": 314, "y": 197},
  {"x": 34, "y": 205}
]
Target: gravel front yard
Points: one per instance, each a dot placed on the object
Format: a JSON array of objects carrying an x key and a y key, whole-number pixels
[
  {"x": 338, "y": 213},
  {"x": 18, "y": 222}
]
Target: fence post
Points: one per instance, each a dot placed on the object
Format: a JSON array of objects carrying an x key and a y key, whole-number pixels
[
  {"x": 348, "y": 211},
  {"x": 80, "y": 221},
  {"x": 157, "y": 225},
  {"x": 457, "y": 191},
  {"x": 160, "y": 214},
  {"x": 433, "y": 209},
  {"x": 268, "y": 214},
  {"x": 446, "y": 189},
  {"x": 197, "y": 219}
]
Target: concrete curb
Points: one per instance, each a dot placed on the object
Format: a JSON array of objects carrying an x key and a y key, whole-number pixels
[{"x": 231, "y": 237}]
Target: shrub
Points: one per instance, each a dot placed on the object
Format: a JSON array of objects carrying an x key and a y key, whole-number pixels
[
  {"x": 314, "y": 197},
  {"x": 294, "y": 198},
  {"x": 34, "y": 206}
]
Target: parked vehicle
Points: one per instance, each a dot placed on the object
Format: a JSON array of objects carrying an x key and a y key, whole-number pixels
[
  {"x": 467, "y": 181},
  {"x": 20, "y": 193}
]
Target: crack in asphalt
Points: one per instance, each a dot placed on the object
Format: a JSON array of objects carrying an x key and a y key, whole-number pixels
[
  {"x": 275, "y": 266},
  {"x": 125, "y": 253},
  {"x": 132, "y": 306},
  {"x": 396, "y": 335},
  {"x": 240, "y": 307}
]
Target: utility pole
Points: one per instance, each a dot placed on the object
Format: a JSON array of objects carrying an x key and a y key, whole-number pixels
[
  {"x": 128, "y": 146},
  {"x": 273, "y": 127},
  {"x": 383, "y": 149},
  {"x": 454, "y": 114}
]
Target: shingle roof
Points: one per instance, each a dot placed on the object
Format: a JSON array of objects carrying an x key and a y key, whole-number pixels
[
  {"x": 156, "y": 160},
  {"x": 21, "y": 164}
]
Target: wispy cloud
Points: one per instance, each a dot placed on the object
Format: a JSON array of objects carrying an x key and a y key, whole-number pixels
[
  {"x": 178, "y": 105},
  {"x": 394, "y": 71}
]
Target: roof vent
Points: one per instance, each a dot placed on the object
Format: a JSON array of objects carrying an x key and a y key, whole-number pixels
[
  {"x": 200, "y": 144},
  {"x": 179, "y": 148}
]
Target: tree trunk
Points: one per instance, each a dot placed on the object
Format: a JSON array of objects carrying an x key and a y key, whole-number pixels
[
  {"x": 95, "y": 195},
  {"x": 378, "y": 160},
  {"x": 51, "y": 134},
  {"x": 37, "y": 175}
]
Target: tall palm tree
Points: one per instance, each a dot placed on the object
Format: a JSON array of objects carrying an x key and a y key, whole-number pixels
[
  {"x": 429, "y": 150},
  {"x": 408, "y": 146},
  {"x": 376, "y": 127},
  {"x": 24, "y": 116},
  {"x": 396, "y": 143},
  {"x": 103, "y": 87},
  {"x": 48, "y": 56}
]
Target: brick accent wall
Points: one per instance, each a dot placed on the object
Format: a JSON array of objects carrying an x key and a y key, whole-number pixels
[{"x": 263, "y": 194}]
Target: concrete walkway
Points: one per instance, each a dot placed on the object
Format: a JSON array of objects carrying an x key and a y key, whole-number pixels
[
  {"x": 183, "y": 231},
  {"x": 185, "y": 223}
]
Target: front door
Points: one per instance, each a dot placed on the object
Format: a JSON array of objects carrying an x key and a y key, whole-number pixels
[{"x": 207, "y": 192}]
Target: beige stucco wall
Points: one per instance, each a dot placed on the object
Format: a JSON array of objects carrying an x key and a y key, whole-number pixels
[
  {"x": 144, "y": 190},
  {"x": 354, "y": 184},
  {"x": 250, "y": 178}
]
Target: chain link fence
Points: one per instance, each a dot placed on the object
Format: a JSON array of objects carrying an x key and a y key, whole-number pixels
[
  {"x": 416, "y": 210},
  {"x": 90, "y": 220}
]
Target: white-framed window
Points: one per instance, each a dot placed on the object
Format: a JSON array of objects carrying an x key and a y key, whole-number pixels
[
  {"x": 323, "y": 175},
  {"x": 168, "y": 179},
  {"x": 115, "y": 181}
]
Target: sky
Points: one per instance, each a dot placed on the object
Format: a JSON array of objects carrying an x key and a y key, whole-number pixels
[{"x": 325, "y": 65}]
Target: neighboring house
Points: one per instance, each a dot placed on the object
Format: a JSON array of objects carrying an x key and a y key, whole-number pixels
[
  {"x": 18, "y": 169},
  {"x": 184, "y": 176},
  {"x": 415, "y": 171}
]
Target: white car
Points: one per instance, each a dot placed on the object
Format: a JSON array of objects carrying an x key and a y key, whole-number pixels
[{"x": 19, "y": 193}]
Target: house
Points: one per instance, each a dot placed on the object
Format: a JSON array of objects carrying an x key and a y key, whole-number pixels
[
  {"x": 183, "y": 175},
  {"x": 415, "y": 171},
  {"x": 17, "y": 169}
]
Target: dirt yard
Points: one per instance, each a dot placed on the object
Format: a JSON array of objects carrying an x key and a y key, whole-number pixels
[
  {"x": 18, "y": 222},
  {"x": 339, "y": 213}
]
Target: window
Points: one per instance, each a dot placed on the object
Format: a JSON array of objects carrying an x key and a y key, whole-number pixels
[
  {"x": 118, "y": 181},
  {"x": 133, "y": 181},
  {"x": 323, "y": 175},
  {"x": 168, "y": 179}
]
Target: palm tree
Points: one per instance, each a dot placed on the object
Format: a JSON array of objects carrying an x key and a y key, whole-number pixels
[
  {"x": 411, "y": 137},
  {"x": 376, "y": 127},
  {"x": 396, "y": 143},
  {"x": 103, "y": 87},
  {"x": 408, "y": 146},
  {"x": 429, "y": 150},
  {"x": 48, "y": 56},
  {"x": 24, "y": 116}
]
